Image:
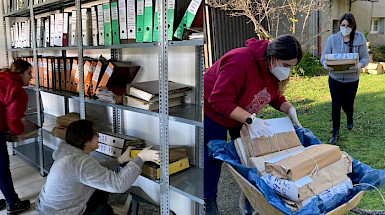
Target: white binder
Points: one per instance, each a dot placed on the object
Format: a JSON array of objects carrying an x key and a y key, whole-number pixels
[
  {"x": 86, "y": 27},
  {"x": 46, "y": 32},
  {"x": 38, "y": 33},
  {"x": 52, "y": 31},
  {"x": 73, "y": 29},
  {"x": 122, "y": 19},
  {"x": 58, "y": 29},
  {"x": 131, "y": 19},
  {"x": 94, "y": 26}
]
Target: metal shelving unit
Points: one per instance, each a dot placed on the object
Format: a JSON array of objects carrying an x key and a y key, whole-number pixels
[{"x": 188, "y": 183}]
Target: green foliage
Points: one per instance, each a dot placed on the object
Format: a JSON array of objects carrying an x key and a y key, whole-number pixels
[
  {"x": 366, "y": 34},
  {"x": 365, "y": 142},
  {"x": 378, "y": 53},
  {"x": 309, "y": 66}
]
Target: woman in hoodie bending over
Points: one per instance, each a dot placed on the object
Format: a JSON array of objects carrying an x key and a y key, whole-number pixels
[
  {"x": 238, "y": 86},
  {"x": 343, "y": 86},
  {"x": 76, "y": 181}
]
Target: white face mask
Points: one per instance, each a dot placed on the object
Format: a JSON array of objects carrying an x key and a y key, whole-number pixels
[
  {"x": 281, "y": 73},
  {"x": 345, "y": 31}
]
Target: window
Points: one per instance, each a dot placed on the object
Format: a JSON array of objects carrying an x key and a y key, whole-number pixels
[{"x": 375, "y": 26}]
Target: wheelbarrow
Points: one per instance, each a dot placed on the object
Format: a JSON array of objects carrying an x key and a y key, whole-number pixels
[{"x": 260, "y": 204}]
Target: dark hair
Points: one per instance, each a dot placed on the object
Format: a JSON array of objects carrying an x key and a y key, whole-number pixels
[
  {"x": 20, "y": 66},
  {"x": 352, "y": 21},
  {"x": 284, "y": 48},
  {"x": 80, "y": 132}
]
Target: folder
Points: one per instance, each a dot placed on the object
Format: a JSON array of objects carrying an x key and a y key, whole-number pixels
[
  {"x": 98, "y": 73},
  {"x": 46, "y": 32},
  {"x": 74, "y": 76},
  {"x": 28, "y": 34},
  {"x": 57, "y": 73},
  {"x": 148, "y": 19},
  {"x": 45, "y": 72},
  {"x": 59, "y": 28},
  {"x": 131, "y": 19},
  {"x": 87, "y": 72},
  {"x": 52, "y": 31},
  {"x": 50, "y": 68},
  {"x": 62, "y": 65},
  {"x": 100, "y": 24},
  {"x": 68, "y": 63},
  {"x": 187, "y": 18},
  {"x": 107, "y": 24},
  {"x": 170, "y": 18},
  {"x": 40, "y": 70},
  {"x": 122, "y": 19},
  {"x": 65, "y": 30},
  {"x": 115, "y": 23},
  {"x": 86, "y": 24},
  {"x": 74, "y": 41},
  {"x": 139, "y": 20},
  {"x": 156, "y": 20},
  {"x": 39, "y": 36},
  {"x": 94, "y": 26}
]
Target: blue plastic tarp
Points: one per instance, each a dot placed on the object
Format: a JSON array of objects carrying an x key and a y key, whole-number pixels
[{"x": 362, "y": 173}]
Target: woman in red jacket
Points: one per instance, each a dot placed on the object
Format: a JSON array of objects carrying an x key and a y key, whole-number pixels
[
  {"x": 238, "y": 86},
  {"x": 13, "y": 104}
]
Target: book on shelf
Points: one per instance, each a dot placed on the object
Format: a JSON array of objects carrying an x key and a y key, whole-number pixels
[
  {"x": 152, "y": 106},
  {"x": 149, "y": 90}
]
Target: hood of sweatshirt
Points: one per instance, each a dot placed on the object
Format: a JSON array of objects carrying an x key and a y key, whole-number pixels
[
  {"x": 258, "y": 47},
  {"x": 359, "y": 39},
  {"x": 65, "y": 149}
]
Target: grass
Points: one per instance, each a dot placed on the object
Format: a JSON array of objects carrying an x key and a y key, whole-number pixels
[{"x": 366, "y": 142}]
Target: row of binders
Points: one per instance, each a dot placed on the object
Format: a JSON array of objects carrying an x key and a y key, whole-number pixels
[
  {"x": 111, "y": 23},
  {"x": 61, "y": 73}
]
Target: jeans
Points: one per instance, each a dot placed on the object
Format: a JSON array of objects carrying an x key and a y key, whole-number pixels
[
  {"x": 343, "y": 95},
  {"x": 212, "y": 167},
  {"x": 97, "y": 204},
  {"x": 6, "y": 184}
]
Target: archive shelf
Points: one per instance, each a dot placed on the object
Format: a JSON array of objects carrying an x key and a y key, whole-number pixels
[{"x": 188, "y": 183}]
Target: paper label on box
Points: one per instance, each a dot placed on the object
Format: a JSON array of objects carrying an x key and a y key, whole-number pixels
[
  {"x": 86, "y": 69},
  {"x": 95, "y": 77},
  {"x": 194, "y": 6},
  {"x": 114, "y": 12},
  {"x": 109, "y": 71},
  {"x": 148, "y": 3},
  {"x": 140, "y": 7},
  {"x": 327, "y": 195},
  {"x": 171, "y": 4},
  {"x": 107, "y": 15}
]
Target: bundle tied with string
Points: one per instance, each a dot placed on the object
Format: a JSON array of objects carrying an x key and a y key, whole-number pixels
[{"x": 305, "y": 162}]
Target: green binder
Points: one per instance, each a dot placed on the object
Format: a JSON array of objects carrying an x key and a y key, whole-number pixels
[
  {"x": 188, "y": 18},
  {"x": 139, "y": 20},
  {"x": 115, "y": 23},
  {"x": 148, "y": 9},
  {"x": 107, "y": 24}
]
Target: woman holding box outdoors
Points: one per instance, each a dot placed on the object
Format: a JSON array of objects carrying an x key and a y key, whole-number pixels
[
  {"x": 237, "y": 87},
  {"x": 343, "y": 85}
]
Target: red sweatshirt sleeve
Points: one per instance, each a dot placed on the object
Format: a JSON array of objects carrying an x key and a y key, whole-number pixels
[
  {"x": 277, "y": 102},
  {"x": 15, "y": 110},
  {"x": 226, "y": 88}
]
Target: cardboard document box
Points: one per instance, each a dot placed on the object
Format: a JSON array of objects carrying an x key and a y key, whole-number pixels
[
  {"x": 314, "y": 184},
  {"x": 341, "y": 61},
  {"x": 60, "y": 132},
  {"x": 297, "y": 165},
  {"x": 152, "y": 170},
  {"x": 175, "y": 154},
  {"x": 119, "y": 141},
  {"x": 284, "y": 138},
  {"x": 67, "y": 119},
  {"x": 375, "y": 68}
]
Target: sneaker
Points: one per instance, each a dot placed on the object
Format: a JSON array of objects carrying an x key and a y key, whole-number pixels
[
  {"x": 336, "y": 134},
  {"x": 3, "y": 203},
  {"x": 349, "y": 126},
  {"x": 17, "y": 207}
]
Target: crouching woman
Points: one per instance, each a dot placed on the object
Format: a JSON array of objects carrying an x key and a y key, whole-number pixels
[{"x": 76, "y": 182}]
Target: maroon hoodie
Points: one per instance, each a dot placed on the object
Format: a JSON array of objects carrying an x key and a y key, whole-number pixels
[
  {"x": 13, "y": 102},
  {"x": 240, "y": 78}
]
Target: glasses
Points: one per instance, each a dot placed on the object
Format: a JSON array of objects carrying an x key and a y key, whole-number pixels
[{"x": 343, "y": 25}]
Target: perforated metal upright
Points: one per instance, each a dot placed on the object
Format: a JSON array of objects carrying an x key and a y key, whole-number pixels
[{"x": 78, "y": 5}]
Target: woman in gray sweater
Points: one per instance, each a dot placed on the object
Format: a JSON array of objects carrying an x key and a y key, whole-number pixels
[
  {"x": 76, "y": 181},
  {"x": 343, "y": 85}
]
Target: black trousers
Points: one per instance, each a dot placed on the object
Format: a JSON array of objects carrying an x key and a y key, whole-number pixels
[
  {"x": 343, "y": 95},
  {"x": 97, "y": 204},
  {"x": 6, "y": 184}
]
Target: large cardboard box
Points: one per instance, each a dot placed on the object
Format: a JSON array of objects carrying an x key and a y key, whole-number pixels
[
  {"x": 60, "y": 132},
  {"x": 341, "y": 61},
  {"x": 374, "y": 68},
  {"x": 152, "y": 170},
  {"x": 294, "y": 166},
  {"x": 314, "y": 184},
  {"x": 284, "y": 138},
  {"x": 65, "y": 120}
]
